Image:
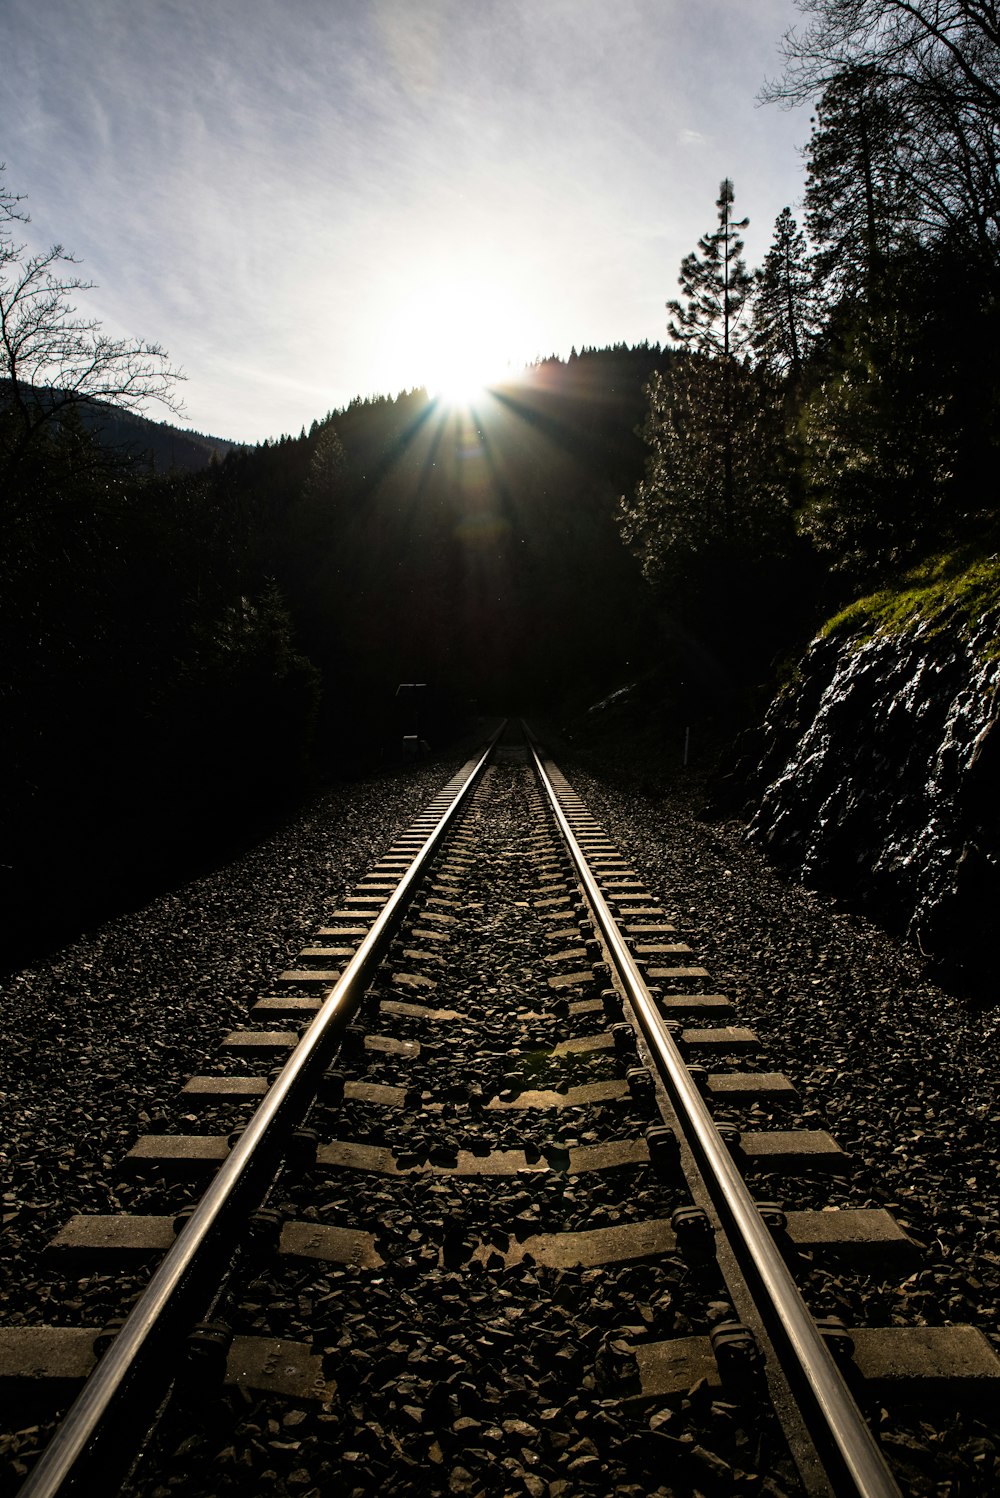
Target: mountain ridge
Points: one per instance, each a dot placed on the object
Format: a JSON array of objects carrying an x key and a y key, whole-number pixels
[{"x": 159, "y": 444}]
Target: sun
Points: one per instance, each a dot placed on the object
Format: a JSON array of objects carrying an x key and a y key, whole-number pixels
[
  {"x": 462, "y": 381},
  {"x": 463, "y": 333}
]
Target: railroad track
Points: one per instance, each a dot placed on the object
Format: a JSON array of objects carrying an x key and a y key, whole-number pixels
[{"x": 490, "y": 1208}]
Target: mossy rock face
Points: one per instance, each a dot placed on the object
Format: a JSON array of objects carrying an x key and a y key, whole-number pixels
[
  {"x": 877, "y": 771},
  {"x": 955, "y": 592}
]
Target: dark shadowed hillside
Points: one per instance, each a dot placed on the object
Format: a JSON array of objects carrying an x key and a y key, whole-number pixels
[
  {"x": 157, "y": 446},
  {"x": 190, "y": 643}
]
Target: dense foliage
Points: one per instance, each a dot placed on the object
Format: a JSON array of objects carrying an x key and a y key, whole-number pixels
[{"x": 839, "y": 421}]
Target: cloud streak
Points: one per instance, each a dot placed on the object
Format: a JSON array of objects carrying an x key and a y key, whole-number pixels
[{"x": 257, "y": 185}]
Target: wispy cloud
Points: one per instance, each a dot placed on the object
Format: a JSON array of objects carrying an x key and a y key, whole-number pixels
[{"x": 257, "y": 185}]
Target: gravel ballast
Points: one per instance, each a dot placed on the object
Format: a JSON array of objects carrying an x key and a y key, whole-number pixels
[
  {"x": 453, "y": 1369},
  {"x": 902, "y": 1072},
  {"x": 100, "y": 1037}
]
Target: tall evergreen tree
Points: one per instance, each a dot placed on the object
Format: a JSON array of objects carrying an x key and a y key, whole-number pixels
[
  {"x": 326, "y": 467},
  {"x": 898, "y": 444},
  {"x": 858, "y": 200},
  {"x": 711, "y": 507},
  {"x": 716, "y": 285},
  {"x": 784, "y": 301},
  {"x": 939, "y": 60}
]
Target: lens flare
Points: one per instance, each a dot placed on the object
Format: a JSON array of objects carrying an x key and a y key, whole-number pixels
[{"x": 464, "y": 334}]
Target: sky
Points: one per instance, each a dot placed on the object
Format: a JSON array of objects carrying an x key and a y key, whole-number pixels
[{"x": 304, "y": 201}]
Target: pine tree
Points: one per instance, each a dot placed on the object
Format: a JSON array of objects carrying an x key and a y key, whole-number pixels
[
  {"x": 938, "y": 61},
  {"x": 713, "y": 494},
  {"x": 784, "y": 302},
  {"x": 326, "y": 467},
  {"x": 858, "y": 200},
  {"x": 681, "y": 506},
  {"x": 716, "y": 284},
  {"x": 716, "y": 561}
]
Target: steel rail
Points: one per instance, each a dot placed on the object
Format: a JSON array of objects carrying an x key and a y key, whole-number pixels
[
  {"x": 153, "y": 1325},
  {"x": 843, "y": 1439}
]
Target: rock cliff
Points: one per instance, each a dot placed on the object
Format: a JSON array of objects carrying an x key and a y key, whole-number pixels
[{"x": 876, "y": 775}]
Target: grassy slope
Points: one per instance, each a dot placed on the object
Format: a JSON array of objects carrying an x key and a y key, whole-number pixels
[{"x": 958, "y": 587}]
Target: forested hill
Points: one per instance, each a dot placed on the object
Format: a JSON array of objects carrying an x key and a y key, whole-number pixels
[
  {"x": 477, "y": 549},
  {"x": 184, "y": 648},
  {"x": 155, "y": 445},
  {"x": 591, "y": 404}
]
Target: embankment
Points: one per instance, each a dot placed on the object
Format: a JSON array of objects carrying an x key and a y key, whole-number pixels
[{"x": 876, "y": 773}]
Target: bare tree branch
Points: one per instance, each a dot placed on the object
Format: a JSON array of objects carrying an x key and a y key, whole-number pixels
[{"x": 52, "y": 359}]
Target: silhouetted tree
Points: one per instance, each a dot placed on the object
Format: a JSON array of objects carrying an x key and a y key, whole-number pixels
[
  {"x": 710, "y": 321},
  {"x": 326, "y": 466},
  {"x": 903, "y": 210},
  {"x": 895, "y": 433},
  {"x": 939, "y": 62},
  {"x": 716, "y": 286},
  {"x": 911, "y": 37},
  {"x": 858, "y": 196},
  {"x": 784, "y": 301},
  {"x": 689, "y": 504},
  {"x": 52, "y": 360},
  {"x": 710, "y": 521}
]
